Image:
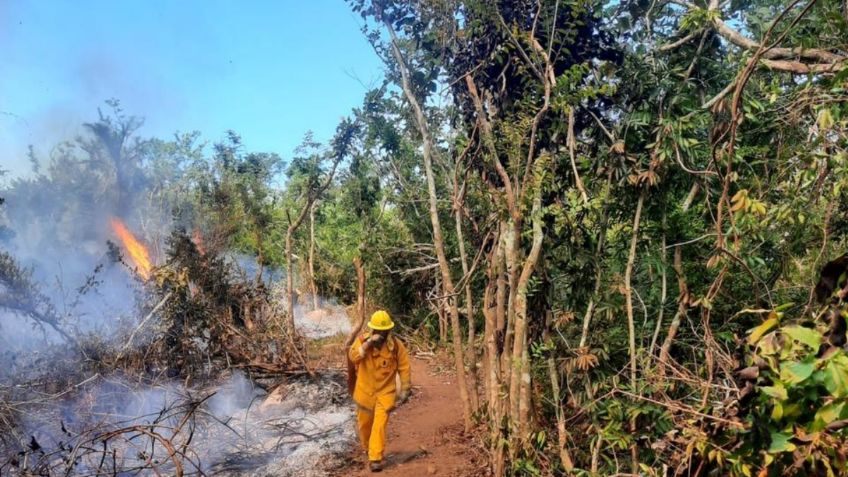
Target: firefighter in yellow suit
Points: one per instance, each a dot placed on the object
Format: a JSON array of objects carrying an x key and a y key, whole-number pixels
[{"x": 379, "y": 357}]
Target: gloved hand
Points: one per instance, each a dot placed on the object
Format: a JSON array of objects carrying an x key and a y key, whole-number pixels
[{"x": 376, "y": 340}]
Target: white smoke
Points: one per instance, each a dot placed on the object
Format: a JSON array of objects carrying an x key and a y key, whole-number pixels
[
  {"x": 327, "y": 320},
  {"x": 303, "y": 429}
]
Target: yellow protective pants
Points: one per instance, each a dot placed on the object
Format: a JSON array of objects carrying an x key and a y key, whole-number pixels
[{"x": 372, "y": 429}]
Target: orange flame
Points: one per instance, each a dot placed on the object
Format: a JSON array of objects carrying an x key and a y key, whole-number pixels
[
  {"x": 137, "y": 251},
  {"x": 197, "y": 238}
]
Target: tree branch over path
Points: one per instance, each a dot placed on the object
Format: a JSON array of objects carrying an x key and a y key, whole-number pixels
[{"x": 796, "y": 60}]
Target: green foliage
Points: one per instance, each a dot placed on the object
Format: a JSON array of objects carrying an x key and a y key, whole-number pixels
[
  {"x": 801, "y": 394},
  {"x": 236, "y": 203}
]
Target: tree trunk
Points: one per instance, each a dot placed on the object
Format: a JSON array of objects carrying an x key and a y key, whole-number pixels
[
  {"x": 682, "y": 305},
  {"x": 553, "y": 375},
  {"x": 360, "y": 294},
  {"x": 312, "y": 287},
  {"x": 289, "y": 282},
  {"x": 438, "y": 240},
  {"x": 572, "y": 145},
  {"x": 590, "y": 309},
  {"x": 519, "y": 385},
  {"x": 490, "y": 356},
  {"x": 503, "y": 328},
  {"x": 631, "y": 327},
  {"x": 500, "y": 293},
  {"x": 440, "y": 311},
  {"x": 469, "y": 305},
  {"x": 507, "y": 364},
  {"x": 599, "y": 250},
  {"x": 663, "y": 291},
  {"x": 491, "y": 312},
  {"x": 360, "y": 319}
]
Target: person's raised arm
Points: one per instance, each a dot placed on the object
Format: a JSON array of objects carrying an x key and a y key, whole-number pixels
[{"x": 358, "y": 349}]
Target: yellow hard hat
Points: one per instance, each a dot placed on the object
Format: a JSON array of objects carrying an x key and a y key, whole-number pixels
[{"x": 381, "y": 320}]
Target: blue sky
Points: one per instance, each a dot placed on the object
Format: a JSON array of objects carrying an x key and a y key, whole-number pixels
[{"x": 270, "y": 70}]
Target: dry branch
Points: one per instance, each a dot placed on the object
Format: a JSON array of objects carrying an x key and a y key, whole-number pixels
[{"x": 143, "y": 322}]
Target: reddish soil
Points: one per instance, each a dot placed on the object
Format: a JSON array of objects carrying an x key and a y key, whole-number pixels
[{"x": 425, "y": 433}]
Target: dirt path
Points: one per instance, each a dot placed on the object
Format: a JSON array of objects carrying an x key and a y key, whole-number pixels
[{"x": 425, "y": 433}]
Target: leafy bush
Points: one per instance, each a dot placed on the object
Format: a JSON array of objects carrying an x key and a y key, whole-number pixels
[{"x": 797, "y": 413}]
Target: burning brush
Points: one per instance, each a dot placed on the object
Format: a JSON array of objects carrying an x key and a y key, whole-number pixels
[{"x": 137, "y": 252}]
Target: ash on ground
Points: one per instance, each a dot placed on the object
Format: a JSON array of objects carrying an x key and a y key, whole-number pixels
[{"x": 302, "y": 428}]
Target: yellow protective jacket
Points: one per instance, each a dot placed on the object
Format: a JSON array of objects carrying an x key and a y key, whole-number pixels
[{"x": 376, "y": 370}]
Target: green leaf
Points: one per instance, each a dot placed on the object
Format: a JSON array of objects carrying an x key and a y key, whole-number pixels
[
  {"x": 777, "y": 412},
  {"x": 836, "y": 378},
  {"x": 778, "y": 391},
  {"x": 827, "y": 414},
  {"x": 759, "y": 331},
  {"x": 780, "y": 443},
  {"x": 792, "y": 410},
  {"x": 807, "y": 336},
  {"x": 796, "y": 372}
]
